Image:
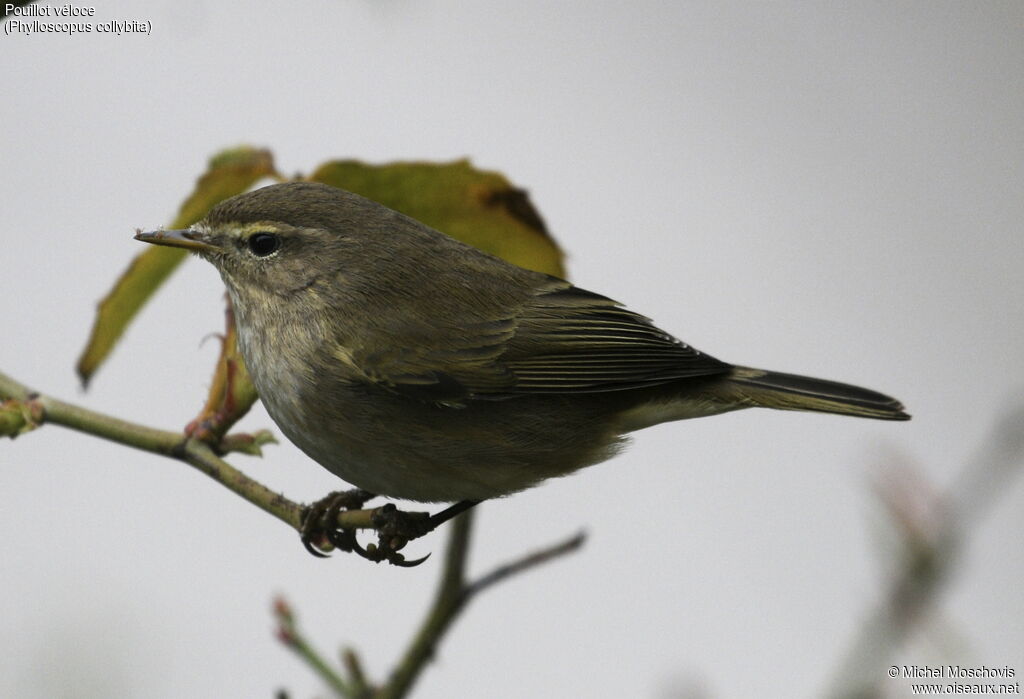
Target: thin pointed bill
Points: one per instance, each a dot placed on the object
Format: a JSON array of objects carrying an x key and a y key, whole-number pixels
[{"x": 188, "y": 239}]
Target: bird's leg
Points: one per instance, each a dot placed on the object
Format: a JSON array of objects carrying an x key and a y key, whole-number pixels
[
  {"x": 446, "y": 514},
  {"x": 320, "y": 521}
]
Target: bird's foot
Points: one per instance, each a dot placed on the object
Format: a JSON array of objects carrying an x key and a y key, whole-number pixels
[
  {"x": 395, "y": 528},
  {"x": 320, "y": 522}
]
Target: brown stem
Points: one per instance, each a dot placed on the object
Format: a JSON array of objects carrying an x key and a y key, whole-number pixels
[
  {"x": 170, "y": 444},
  {"x": 453, "y": 594}
]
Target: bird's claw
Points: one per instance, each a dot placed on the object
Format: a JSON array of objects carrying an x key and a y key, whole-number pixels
[
  {"x": 382, "y": 552},
  {"x": 319, "y": 522}
]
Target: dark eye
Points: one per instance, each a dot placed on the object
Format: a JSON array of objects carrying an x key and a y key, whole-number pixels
[{"x": 263, "y": 244}]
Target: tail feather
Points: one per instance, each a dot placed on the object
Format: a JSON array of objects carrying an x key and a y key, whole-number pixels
[{"x": 772, "y": 389}]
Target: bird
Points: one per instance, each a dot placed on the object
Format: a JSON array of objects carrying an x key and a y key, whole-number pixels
[{"x": 414, "y": 366}]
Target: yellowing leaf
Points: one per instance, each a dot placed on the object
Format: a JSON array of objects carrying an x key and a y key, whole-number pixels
[
  {"x": 478, "y": 207},
  {"x": 231, "y": 391},
  {"x": 228, "y": 173}
]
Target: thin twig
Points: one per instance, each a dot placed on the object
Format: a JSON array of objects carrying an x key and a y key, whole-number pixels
[
  {"x": 175, "y": 445},
  {"x": 525, "y": 563},
  {"x": 288, "y": 633},
  {"x": 201, "y": 456},
  {"x": 932, "y": 545},
  {"x": 448, "y": 602},
  {"x": 357, "y": 676},
  {"x": 84, "y": 420},
  {"x": 171, "y": 444},
  {"x": 452, "y": 597}
]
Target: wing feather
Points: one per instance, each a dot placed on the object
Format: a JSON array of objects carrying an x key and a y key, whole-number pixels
[
  {"x": 560, "y": 339},
  {"x": 572, "y": 340}
]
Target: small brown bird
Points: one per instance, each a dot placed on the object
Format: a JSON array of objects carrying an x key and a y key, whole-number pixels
[{"x": 415, "y": 366}]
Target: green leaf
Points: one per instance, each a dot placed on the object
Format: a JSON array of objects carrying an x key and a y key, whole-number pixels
[
  {"x": 230, "y": 172},
  {"x": 478, "y": 207}
]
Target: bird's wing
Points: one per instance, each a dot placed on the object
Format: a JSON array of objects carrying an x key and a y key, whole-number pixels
[
  {"x": 560, "y": 339},
  {"x": 570, "y": 341},
  {"x": 439, "y": 363}
]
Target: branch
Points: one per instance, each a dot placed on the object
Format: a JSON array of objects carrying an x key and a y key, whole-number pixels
[
  {"x": 288, "y": 633},
  {"x": 452, "y": 596},
  {"x": 200, "y": 455},
  {"x": 932, "y": 530},
  {"x": 448, "y": 602},
  {"x": 523, "y": 564},
  {"x": 23, "y": 409}
]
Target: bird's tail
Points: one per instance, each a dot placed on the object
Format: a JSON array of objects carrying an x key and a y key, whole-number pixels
[{"x": 772, "y": 389}]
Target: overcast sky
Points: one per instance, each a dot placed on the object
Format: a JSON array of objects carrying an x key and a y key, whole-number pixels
[{"x": 825, "y": 188}]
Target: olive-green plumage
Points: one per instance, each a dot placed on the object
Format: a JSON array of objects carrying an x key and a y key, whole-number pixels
[{"x": 414, "y": 366}]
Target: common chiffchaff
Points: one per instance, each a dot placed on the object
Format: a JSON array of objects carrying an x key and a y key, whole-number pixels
[{"x": 415, "y": 366}]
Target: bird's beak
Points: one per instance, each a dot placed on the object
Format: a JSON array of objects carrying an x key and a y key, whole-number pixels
[{"x": 188, "y": 239}]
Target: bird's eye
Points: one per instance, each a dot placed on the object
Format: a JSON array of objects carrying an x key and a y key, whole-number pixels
[{"x": 263, "y": 244}]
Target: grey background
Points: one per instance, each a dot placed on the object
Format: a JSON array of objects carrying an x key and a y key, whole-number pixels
[{"x": 828, "y": 188}]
